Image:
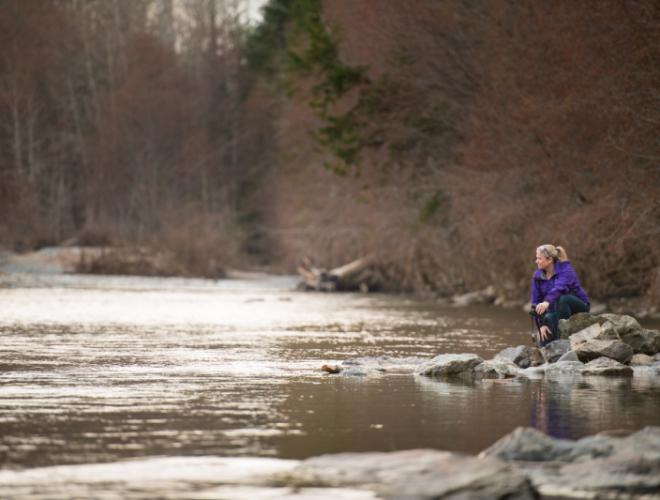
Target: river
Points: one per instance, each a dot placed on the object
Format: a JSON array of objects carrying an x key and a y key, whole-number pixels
[{"x": 100, "y": 369}]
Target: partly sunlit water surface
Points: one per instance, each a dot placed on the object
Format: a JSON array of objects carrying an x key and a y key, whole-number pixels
[{"x": 100, "y": 369}]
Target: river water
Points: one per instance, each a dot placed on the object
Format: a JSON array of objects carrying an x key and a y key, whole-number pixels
[{"x": 100, "y": 369}]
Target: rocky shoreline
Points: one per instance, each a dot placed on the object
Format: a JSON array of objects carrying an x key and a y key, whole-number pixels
[
  {"x": 525, "y": 464},
  {"x": 606, "y": 344},
  {"x": 590, "y": 344}
]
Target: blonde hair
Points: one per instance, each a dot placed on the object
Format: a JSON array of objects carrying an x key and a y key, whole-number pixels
[{"x": 553, "y": 252}]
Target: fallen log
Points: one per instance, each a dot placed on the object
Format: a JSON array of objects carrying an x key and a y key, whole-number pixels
[{"x": 352, "y": 276}]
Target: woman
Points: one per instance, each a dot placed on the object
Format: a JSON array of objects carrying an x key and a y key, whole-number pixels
[{"x": 556, "y": 292}]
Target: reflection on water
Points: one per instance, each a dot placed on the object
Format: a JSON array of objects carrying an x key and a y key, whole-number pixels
[{"x": 100, "y": 369}]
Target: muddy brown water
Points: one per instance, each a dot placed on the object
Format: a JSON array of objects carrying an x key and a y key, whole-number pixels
[{"x": 98, "y": 369}]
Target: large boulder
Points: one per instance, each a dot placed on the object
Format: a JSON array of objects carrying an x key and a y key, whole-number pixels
[
  {"x": 622, "y": 323},
  {"x": 595, "y": 331},
  {"x": 554, "y": 350},
  {"x": 606, "y": 366},
  {"x": 614, "y": 349},
  {"x": 522, "y": 356},
  {"x": 414, "y": 474},
  {"x": 450, "y": 365},
  {"x": 529, "y": 445},
  {"x": 576, "y": 323},
  {"x": 612, "y": 467},
  {"x": 643, "y": 341}
]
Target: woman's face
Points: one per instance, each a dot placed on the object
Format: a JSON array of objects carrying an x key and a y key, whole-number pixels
[{"x": 543, "y": 262}]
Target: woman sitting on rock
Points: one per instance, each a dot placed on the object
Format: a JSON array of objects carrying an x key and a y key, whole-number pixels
[{"x": 556, "y": 292}]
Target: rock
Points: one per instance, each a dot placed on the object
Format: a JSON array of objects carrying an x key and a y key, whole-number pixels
[
  {"x": 620, "y": 468},
  {"x": 593, "y": 332},
  {"x": 576, "y": 323},
  {"x": 569, "y": 356},
  {"x": 643, "y": 341},
  {"x": 623, "y": 324},
  {"x": 528, "y": 444},
  {"x": 414, "y": 474},
  {"x": 554, "y": 350},
  {"x": 614, "y": 349},
  {"x": 606, "y": 366},
  {"x": 641, "y": 360},
  {"x": 523, "y": 356},
  {"x": 564, "y": 368},
  {"x": 531, "y": 445},
  {"x": 496, "y": 368},
  {"x": 450, "y": 365}
]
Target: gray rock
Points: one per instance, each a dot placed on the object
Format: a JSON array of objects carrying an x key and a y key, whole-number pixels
[
  {"x": 614, "y": 349},
  {"x": 623, "y": 324},
  {"x": 643, "y": 341},
  {"x": 564, "y": 368},
  {"x": 450, "y": 365},
  {"x": 621, "y": 468},
  {"x": 593, "y": 332},
  {"x": 530, "y": 445},
  {"x": 496, "y": 368},
  {"x": 555, "y": 350},
  {"x": 641, "y": 360},
  {"x": 523, "y": 356},
  {"x": 569, "y": 356},
  {"x": 606, "y": 366},
  {"x": 414, "y": 474},
  {"x": 576, "y": 323}
]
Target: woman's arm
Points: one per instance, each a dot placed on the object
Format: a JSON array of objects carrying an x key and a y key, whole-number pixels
[{"x": 535, "y": 293}]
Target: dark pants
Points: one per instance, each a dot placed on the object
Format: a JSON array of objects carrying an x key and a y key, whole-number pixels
[{"x": 565, "y": 307}]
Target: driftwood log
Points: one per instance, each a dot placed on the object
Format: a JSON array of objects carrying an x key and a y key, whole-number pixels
[{"x": 355, "y": 275}]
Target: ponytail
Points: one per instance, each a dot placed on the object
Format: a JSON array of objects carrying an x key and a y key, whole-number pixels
[
  {"x": 553, "y": 252},
  {"x": 561, "y": 254}
]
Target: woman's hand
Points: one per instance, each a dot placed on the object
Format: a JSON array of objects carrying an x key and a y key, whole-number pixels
[{"x": 542, "y": 307}]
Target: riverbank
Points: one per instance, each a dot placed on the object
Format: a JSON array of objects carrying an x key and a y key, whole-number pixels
[{"x": 141, "y": 262}]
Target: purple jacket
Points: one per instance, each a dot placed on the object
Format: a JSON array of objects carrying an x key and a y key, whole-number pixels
[{"x": 564, "y": 282}]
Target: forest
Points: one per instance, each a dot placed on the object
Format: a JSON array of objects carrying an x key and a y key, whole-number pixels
[{"x": 445, "y": 140}]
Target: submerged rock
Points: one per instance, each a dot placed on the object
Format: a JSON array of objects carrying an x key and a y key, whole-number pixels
[{"x": 450, "y": 365}]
